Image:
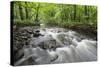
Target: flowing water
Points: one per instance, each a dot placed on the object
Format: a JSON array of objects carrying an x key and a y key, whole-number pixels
[{"x": 59, "y": 45}]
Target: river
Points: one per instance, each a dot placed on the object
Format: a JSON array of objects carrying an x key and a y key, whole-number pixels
[{"x": 59, "y": 45}]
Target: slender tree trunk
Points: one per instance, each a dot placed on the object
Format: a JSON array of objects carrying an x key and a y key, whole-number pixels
[
  {"x": 86, "y": 12},
  {"x": 37, "y": 11},
  {"x": 21, "y": 11},
  {"x": 26, "y": 9},
  {"x": 62, "y": 11},
  {"x": 74, "y": 12}
]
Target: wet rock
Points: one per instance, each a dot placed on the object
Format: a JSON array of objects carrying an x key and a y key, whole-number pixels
[
  {"x": 37, "y": 33},
  {"x": 24, "y": 37},
  {"x": 29, "y": 61},
  {"x": 21, "y": 37},
  {"x": 59, "y": 31}
]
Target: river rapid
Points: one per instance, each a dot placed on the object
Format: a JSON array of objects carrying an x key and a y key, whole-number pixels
[{"x": 58, "y": 45}]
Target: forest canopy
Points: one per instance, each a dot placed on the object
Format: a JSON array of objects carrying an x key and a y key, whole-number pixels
[{"x": 62, "y": 15}]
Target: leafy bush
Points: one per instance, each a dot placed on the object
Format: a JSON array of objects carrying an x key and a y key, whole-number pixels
[{"x": 24, "y": 22}]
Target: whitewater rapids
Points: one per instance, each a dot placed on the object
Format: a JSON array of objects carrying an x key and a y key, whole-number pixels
[{"x": 62, "y": 46}]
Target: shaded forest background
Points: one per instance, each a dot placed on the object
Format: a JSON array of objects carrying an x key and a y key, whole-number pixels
[{"x": 80, "y": 17}]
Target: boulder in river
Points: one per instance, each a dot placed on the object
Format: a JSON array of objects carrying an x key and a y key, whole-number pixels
[{"x": 37, "y": 33}]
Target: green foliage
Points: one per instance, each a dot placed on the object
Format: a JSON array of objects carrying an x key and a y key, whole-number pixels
[
  {"x": 23, "y": 23},
  {"x": 64, "y": 15}
]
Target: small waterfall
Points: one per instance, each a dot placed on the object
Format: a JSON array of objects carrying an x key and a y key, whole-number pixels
[{"x": 69, "y": 46}]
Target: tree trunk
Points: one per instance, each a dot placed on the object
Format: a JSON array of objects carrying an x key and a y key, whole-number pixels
[
  {"x": 86, "y": 13},
  {"x": 74, "y": 12},
  {"x": 21, "y": 11},
  {"x": 62, "y": 13},
  {"x": 26, "y": 9},
  {"x": 37, "y": 11}
]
